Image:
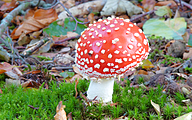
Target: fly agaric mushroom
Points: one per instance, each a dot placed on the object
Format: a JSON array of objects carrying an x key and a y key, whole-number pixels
[{"x": 106, "y": 49}]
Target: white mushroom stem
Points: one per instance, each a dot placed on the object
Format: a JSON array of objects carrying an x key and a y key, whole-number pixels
[{"x": 103, "y": 89}]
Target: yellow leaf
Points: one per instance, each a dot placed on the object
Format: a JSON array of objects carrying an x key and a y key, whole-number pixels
[{"x": 147, "y": 64}]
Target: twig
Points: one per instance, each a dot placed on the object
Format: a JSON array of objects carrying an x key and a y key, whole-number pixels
[
  {"x": 56, "y": 2},
  {"x": 27, "y": 53},
  {"x": 184, "y": 3},
  {"x": 142, "y": 15},
  {"x": 70, "y": 38}
]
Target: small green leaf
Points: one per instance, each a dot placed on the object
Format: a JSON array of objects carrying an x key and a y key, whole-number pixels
[
  {"x": 67, "y": 74},
  {"x": 190, "y": 40},
  {"x": 56, "y": 30},
  {"x": 164, "y": 10},
  {"x": 170, "y": 29}
]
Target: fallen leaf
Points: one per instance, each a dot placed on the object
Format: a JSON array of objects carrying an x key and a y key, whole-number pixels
[
  {"x": 83, "y": 9},
  {"x": 1, "y": 91},
  {"x": 119, "y": 7},
  {"x": 170, "y": 29},
  {"x": 147, "y": 64},
  {"x": 60, "y": 113},
  {"x": 164, "y": 3},
  {"x": 40, "y": 19},
  {"x": 10, "y": 81},
  {"x": 148, "y": 5},
  {"x": 164, "y": 10},
  {"x": 5, "y": 67},
  {"x": 187, "y": 116},
  {"x": 187, "y": 55},
  {"x": 8, "y": 6},
  {"x": 156, "y": 107}
]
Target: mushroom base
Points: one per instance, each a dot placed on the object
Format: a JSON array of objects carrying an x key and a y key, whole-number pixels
[{"x": 103, "y": 89}]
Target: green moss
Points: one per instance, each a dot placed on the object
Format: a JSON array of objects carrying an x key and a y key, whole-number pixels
[
  {"x": 169, "y": 60},
  {"x": 131, "y": 102}
]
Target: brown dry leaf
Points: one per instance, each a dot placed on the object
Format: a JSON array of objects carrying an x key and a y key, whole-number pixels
[
  {"x": 148, "y": 5},
  {"x": 30, "y": 84},
  {"x": 9, "y": 6},
  {"x": 76, "y": 77},
  {"x": 40, "y": 19},
  {"x": 142, "y": 72},
  {"x": 187, "y": 55},
  {"x": 5, "y": 67},
  {"x": 164, "y": 3},
  {"x": 91, "y": 18},
  {"x": 61, "y": 114},
  {"x": 23, "y": 39},
  {"x": 71, "y": 34}
]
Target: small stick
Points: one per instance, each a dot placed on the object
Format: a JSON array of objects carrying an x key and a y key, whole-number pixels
[
  {"x": 70, "y": 38},
  {"x": 184, "y": 3}
]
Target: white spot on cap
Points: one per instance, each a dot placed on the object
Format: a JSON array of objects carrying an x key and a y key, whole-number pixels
[
  {"x": 119, "y": 60},
  {"x": 115, "y": 40},
  {"x": 109, "y": 31},
  {"x": 124, "y": 51},
  {"x": 91, "y": 61},
  {"x": 88, "y": 42},
  {"x": 96, "y": 56},
  {"x": 145, "y": 41},
  {"x": 90, "y": 34},
  {"x": 79, "y": 40},
  {"x": 98, "y": 26},
  {"x": 104, "y": 21},
  {"x": 102, "y": 61},
  {"x": 110, "y": 56},
  {"x": 97, "y": 66},
  {"x": 120, "y": 46},
  {"x": 104, "y": 28},
  {"x": 108, "y": 64},
  {"x": 96, "y": 32},
  {"x": 127, "y": 32},
  {"x": 98, "y": 44},
  {"x": 112, "y": 64},
  {"x": 92, "y": 37},
  {"x": 140, "y": 31},
  {"x": 117, "y": 28},
  {"x": 131, "y": 25},
  {"x": 130, "y": 46},
  {"x": 122, "y": 23},
  {"x": 99, "y": 20},
  {"x": 136, "y": 34},
  {"x": 132, "y": 40},
  {"x": 133, "y": 57},
  {"x": 88, "y": 29},
  {"x": 91, "y": 29},
  {"x": 112, "y": 25},
  {"x": 86, "y": 66},
  {"x": 106, "y": 70},
  {"x": 116, "y": 52},
  {"x": 139, "y": 44},
  {"x": 107, "y": 23},
  {"x": 112, "y": 70},
  {"x": 78, "y": 49},
  {"x": 135, "y": 23},
  {"x": 130, "y": 59},
  {"x": 84, "y": 44},
  {"x": 91, "y": 51},
  {"x": 100, "y": 35},
  {"x": 128, "y": 55},
  {"x": 116, "y": 66},
  {"x": 104, "y": 41},
  {"x": 125, "y": 59},
  {"x": 129, "y": 29},
  {"x": 127, "y": 20},
  {"x": 115, "y": 22},
  {"x": 90, "y": 25},
  {"x": 102, "y": 51},
  {"x": 90, "y": 45},
  {"x": 85, "y": 51}
]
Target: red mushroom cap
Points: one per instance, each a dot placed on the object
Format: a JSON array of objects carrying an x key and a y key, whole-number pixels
[{"x": 110, "y": 47}]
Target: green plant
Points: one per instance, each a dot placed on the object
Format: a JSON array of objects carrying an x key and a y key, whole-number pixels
[
  {"x": 25, "y": 103},
  {"x": 188, "y": 69},
  {"x": 41, "y": 58}
]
